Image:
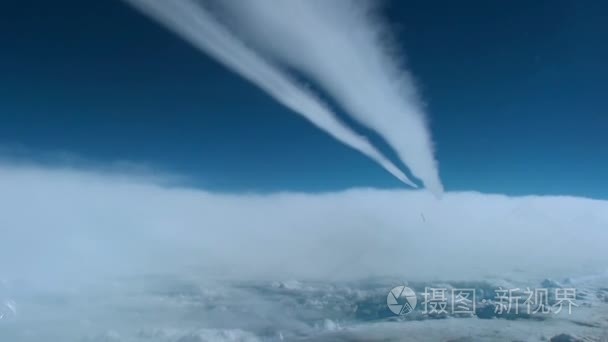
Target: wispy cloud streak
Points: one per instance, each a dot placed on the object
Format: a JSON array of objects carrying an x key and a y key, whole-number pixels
[
  {"x": 193, "y": 23},
  {"x": 347, "y": 50}
]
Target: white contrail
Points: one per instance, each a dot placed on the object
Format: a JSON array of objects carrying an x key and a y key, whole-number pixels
[
  {"x": 194, "y": 24},
  {"x": 341, "y": 46}
]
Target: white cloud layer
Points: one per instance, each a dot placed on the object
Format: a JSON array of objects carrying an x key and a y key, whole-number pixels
[
  {"x": 336, "y": 44},
  {"x": 61, "y": 226}
]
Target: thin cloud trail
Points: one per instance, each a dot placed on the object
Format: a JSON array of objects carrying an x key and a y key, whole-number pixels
[
  {"x": 342, "y": 46},
  {"x": 196, "y": 25}
]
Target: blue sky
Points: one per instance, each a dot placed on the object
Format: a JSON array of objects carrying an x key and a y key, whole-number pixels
[{"x": 515, "y": 93}]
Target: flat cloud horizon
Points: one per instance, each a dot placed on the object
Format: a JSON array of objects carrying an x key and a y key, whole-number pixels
[{"x": 60, "y": 227}]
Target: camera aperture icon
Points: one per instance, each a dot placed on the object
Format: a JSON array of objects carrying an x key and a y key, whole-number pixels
[{"x": 401, "y": 300}]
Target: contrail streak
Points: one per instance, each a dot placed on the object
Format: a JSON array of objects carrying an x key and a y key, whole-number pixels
[
  {"x": 193, "y": 23},
  {"x": 343, "y": 47}
]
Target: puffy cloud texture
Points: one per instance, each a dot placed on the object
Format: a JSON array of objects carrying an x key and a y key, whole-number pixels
[{"x": 60, "y": 225}]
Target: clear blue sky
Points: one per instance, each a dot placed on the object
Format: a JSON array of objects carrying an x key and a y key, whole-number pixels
[{"x": 516, "y": 93}]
